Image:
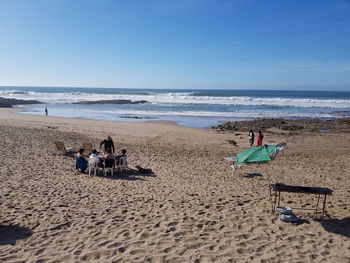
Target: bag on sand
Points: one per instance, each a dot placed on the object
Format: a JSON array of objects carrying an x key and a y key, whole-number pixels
[
  {"x": 284, "y": 210},
  {"x": 289, "y": 218},
  {"x": 286, "y": 214}
]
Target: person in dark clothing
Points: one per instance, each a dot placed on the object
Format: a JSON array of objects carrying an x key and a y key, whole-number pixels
[
  {"x": 46, "y": 112},
  {"x": 251, "y": 138},
  {"x": 108, "y": 144},
  {"x": 81, "y": 163}
]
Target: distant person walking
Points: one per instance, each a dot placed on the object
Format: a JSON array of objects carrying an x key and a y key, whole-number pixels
[
  {"x": 251, "y": 136},
  {"x": 260, "y": 138},
  {"x": 108, "y": 144},
  {"x": 46, "y": 112}
]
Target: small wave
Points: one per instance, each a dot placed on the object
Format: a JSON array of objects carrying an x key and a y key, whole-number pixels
[
  {"x": 125, "y": 92},
  {"x": 13, "y": 92},
  {"x": 345, "y": 113},
  {"x": 20, "y": 92},
  {"x": 217, "y": 93}
]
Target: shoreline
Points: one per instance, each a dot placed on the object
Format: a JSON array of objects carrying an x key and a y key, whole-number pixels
[
  {"x": 290, "y": 125},
  {"x": 8, "y": 112},
  {"x": 18, "y": 111},
  {"x": 124, "y": 130}
]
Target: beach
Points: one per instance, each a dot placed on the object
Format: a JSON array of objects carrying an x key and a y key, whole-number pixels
[{"x": 191, "y": 208}]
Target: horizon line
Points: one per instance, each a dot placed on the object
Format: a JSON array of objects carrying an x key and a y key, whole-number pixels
[{"x": 240, "y": 89}]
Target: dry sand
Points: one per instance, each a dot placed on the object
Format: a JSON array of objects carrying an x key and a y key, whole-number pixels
[{"x": 192, "y": 209}]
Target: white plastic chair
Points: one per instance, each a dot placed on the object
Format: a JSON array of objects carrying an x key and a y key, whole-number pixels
[
  {"x": 123, "y": 163},
  {"x": 93, "y": 165}
]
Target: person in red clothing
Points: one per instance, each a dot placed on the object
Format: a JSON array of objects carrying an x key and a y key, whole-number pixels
[{"x": 260, "y": 138}]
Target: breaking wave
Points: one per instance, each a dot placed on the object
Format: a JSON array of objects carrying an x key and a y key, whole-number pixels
[{"x": 178, "y": 98}]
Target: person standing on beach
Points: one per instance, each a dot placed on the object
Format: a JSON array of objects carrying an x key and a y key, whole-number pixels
[
  {"x": 260, "y": 138},
  {"x": 251, "y": 137},
  {"x": 46, "y": 112},
  {"x": 108, "y": 144}
]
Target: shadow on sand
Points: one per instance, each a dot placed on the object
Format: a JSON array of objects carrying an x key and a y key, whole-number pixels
[
  {"x": 252, "y": 175},
  {"x": 336, "y": 226},
  {"x": 132, "y": 174},
  {"x": 234, "y": 143},
  {"x": 10, "y": 234},
  {"x": 71, "y": 154}
]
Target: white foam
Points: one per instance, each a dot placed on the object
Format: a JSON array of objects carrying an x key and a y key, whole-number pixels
[
  {"x": 178, "y": 98},
  {"x": 240, "y": 114}
]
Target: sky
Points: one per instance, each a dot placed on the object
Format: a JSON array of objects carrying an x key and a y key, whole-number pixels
[{"x": 183, "y": 44}]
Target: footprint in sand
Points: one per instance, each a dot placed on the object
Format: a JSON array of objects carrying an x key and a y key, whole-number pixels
[
  {"x": 39, "y": 252},
  {"x": 90, "y": 256},
  {"x": 121, "y": 249},
  {"x": 172, "y": 224}
]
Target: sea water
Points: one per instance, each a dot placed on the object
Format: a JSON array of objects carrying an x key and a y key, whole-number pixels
[{"x": 194, "y": 108}]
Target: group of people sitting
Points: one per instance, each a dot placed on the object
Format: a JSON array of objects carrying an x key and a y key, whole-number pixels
[{"x": 102, "y": 160}]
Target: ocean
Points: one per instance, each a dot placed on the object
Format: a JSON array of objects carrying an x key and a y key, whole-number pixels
[{"x": 194, "y": 108}]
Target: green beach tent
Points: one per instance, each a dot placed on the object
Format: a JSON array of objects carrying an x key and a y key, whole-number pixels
[{"x": 260, "y": 154}]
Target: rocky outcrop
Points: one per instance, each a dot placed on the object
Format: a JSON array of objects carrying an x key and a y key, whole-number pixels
[
  {"x": 286, "y": 125},
  {"x": 111, "y": 102},
  {"x": 8, "y": 103}
]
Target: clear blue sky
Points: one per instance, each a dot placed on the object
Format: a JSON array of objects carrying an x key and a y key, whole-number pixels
[{"x": 224, "y": 44}]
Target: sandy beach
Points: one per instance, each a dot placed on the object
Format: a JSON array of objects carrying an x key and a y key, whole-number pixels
[{"x": 190, "y": 209}]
